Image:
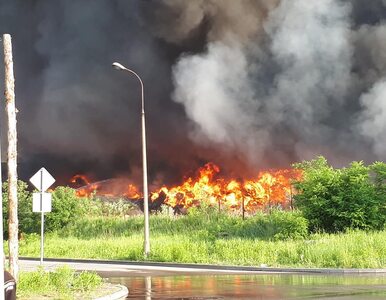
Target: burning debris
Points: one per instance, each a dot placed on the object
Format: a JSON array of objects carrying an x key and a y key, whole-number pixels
[
  {"x": 268, "y": 188},
  {"x": 108, "y": 188}
]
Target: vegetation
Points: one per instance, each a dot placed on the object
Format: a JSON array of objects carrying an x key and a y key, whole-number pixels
[
  {"x": 339, "y": 222},
  {"x": 336, "y": 200},
  {"x": 66, "y": 207},
  {"x": 63, "y": 283},
  {"x": 28, "y": 221},
  {"x": 207, "y": 221},
  {"x": 354, "y": 249},
  {"x": 204, "y": 236}
]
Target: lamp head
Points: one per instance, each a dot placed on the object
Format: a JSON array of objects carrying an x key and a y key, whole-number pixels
[{"x": 118, "y": 66}]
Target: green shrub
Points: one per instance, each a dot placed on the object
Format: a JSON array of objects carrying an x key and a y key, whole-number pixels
[
  {"x": 335, "y": 200},
  {"x": 66, "y": 207},
  {"x": 29, "y": 221}
]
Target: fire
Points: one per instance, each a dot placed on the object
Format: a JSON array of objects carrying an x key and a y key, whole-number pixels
[
  {"x": 80, "y": 179},
  {"x": 106, "y": 188},
  {"x": 268, "y": 188},
  {"x": 132, "y": 192}
]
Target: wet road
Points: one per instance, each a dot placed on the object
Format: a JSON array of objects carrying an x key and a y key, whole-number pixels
[
  {"x": 184, "y": 281},
  {"x": 267, "y": 286}
]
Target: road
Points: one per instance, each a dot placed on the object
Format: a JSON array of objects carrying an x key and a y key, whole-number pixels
[{"x": 125, "y": 268}]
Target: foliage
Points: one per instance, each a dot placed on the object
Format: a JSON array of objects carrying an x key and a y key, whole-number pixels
[
  {"x": 61, "y": 283},
  {"x": 28, "y": 221},
  {"x": 339, "y": 199},
  {"x": 66, "y": 207}
]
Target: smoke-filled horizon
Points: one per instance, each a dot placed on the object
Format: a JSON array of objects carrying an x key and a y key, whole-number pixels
[{"x": 246, "y": 84}]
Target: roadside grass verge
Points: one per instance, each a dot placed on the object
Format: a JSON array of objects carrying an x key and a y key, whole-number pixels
[
  {"x": 62, "y": 283},
  {"x": 356, "y": 249}
]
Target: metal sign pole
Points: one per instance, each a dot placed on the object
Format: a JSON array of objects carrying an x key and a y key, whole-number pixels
[
  {"x": 42, "y": 219},
  {"x": 42, "y": 180}
]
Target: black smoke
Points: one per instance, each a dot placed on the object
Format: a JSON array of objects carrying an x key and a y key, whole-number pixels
[{"x": 247, "y": 84}]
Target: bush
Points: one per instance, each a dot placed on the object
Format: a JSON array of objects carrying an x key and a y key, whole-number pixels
[
  {"x": 66, "y": 207},
  {"x": 335, "y": 200},
  {"x": 29, "y": 222}
]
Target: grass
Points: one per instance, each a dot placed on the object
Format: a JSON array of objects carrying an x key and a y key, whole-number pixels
[
  {"x": 63, "y": 283},
  {"x": 278, "y": 239},
  {"x": 206, "y": 224}
]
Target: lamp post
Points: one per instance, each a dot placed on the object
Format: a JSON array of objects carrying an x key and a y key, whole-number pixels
[{"x": 120, "y": 67}]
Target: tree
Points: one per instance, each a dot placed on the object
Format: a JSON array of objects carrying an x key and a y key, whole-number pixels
[
  {"x": 12, "y": 157},
  {"x": 338, "y": 199}
]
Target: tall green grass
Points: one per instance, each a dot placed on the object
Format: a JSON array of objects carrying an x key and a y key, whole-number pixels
[
  {"x": 207, "y": 224},
  {"x": 276, "y": 239},
  {"x": 347, "y": 250}
]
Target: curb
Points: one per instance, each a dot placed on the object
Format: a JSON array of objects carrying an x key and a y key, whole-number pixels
[
  {"x": 202, "y": 267},
  {"x": 121, "y": 294}
]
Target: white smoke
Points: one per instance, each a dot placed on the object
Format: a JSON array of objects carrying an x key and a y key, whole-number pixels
[
  {"x": 217, "y": 94},
  {"x": 222, "y": 94},
  {"x": 373, "y": 118},
  {"x": 310, "y": 42}
]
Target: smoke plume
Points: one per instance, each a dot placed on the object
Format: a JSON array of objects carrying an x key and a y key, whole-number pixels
[{"x": 247, "y": 84}]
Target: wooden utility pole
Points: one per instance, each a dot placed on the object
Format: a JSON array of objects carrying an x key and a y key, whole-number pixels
[{"x": 13, "y": 222}]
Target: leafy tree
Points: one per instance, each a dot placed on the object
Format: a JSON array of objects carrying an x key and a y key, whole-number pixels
[{"x": 338, "y": 199}]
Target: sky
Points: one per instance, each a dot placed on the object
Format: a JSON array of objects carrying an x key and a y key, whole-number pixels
[{"x": 246, "y": 84}]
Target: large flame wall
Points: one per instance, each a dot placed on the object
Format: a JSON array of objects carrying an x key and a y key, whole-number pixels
[{"x": 268, "y": 188}]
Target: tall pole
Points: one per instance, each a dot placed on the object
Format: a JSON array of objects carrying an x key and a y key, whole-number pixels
[
  {"x": 144, "y": 161},
  {"x": 13, "y": 225},
  {"x": 2, "y": 258}
]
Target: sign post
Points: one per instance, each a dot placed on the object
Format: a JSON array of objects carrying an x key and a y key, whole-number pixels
[{"x": 41, "y": 202}]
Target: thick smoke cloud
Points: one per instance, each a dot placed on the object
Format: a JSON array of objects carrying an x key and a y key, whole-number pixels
[
  {"x": 77, "y": 114},
  {"x": 321, "y": 62},
  {"x": 247, "y": 84},
  {"x": 314, "y": 57},
  {"x": 220, "y": 88}
]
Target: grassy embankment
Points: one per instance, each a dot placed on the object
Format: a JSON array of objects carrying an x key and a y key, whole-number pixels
[{"x": 277, "y": 239}]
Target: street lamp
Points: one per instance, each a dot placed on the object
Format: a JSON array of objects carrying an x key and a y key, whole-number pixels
[{"x": 120, "y": 67}]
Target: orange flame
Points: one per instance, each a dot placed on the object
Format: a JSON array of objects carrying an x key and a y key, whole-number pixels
[
  {"x": 132, "y": 192},
  {"x": 107, "y": 188},
  {"x": 79, "y": 178},
  {"x": 268, "y": 188}
]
